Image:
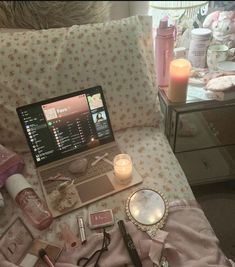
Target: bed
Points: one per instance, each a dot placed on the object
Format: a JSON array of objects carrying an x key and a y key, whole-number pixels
[{"x": 118, "y": 55}]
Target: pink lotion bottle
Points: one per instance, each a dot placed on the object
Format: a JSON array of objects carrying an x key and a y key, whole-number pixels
[
  {"x": 164, "y": 51},
  {"x": 30, "y": 203},
  {"x": 11, "y": 165}
]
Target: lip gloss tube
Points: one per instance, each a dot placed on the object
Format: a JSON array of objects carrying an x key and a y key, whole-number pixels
[{"x": 81, "y": 230}]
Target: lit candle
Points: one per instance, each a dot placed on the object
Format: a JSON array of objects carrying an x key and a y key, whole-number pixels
[
  {"x": 122, "y": 168},
  {"x": 179, "y": 75}
]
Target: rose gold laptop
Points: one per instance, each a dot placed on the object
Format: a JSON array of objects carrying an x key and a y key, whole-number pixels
[{"x": 73, "y": 146}]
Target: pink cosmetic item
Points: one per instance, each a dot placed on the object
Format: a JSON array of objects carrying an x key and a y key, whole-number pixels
[
  {"x": 18, "y": 246},
  {"x": 99, "y": 219},
  {"x": 1, "y": 201},
  {"x": 164, "y": 51},
  {"x": 10, "y": 163},
  {"x": 70, "y": 239},
  {"x": 30, "y": 203}
]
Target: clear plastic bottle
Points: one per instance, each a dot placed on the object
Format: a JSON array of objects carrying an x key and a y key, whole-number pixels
[
  {"x": 30, "y": 203},
  {"x": 164, "y": 51}
]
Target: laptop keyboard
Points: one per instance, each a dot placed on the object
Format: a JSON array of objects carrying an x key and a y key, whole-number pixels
[{"x": 101, "y": 167}]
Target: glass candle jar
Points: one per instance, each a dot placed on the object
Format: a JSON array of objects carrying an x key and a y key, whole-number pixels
[{"x": 123, "y": 168}]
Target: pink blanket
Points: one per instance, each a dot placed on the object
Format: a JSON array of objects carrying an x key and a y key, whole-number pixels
[{"x": 187, "y": 240}]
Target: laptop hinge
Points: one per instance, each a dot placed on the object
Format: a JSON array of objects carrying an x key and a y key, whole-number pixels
[{"x": 76, "y": 156}]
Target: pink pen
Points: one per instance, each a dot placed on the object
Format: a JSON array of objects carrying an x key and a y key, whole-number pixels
[{"x": 43, "y": 255}]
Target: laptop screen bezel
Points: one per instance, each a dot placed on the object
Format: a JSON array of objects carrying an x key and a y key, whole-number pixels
[{"x": 87, "y": 91}]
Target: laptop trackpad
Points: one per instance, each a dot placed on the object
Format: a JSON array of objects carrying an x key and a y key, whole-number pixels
[{"x": 94, "y": 188}]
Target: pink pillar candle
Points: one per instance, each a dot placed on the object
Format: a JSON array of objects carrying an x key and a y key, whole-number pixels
[{"x": 179, "y": 75}]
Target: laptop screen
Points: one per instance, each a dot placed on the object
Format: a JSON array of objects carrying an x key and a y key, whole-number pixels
[{"x": 63, "y": 126}]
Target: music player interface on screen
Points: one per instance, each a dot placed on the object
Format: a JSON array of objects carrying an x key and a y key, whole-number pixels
[
  {"x": 69, "y": 123},
  {"x": 66, "y": 125}
]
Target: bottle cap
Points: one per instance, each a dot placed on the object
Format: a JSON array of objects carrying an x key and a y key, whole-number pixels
[
  {"x": 179, "y": 52},
  {"x": 163, "y": 23},
  {"x": 201, "y": 32},
  {"x": 15, "y": 184}
]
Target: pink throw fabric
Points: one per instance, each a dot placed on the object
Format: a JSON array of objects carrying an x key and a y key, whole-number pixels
[{"x": 187, "y": 240}]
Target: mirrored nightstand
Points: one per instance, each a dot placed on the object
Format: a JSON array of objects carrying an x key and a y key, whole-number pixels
[{"x": 201, "y": 133}]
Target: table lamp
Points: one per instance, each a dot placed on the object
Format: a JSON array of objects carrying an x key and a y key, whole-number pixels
[
  {"x": 175, "y": 9},
  {"x": 179, "y": 12}
]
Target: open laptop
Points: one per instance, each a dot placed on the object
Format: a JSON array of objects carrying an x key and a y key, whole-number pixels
[{"x": 73, "y": 146}]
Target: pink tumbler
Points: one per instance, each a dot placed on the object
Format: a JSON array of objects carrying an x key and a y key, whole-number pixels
[{"x": 164, "y": 49}]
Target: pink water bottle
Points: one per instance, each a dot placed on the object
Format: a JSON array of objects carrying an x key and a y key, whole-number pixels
[{"x": 164, "y": 51}]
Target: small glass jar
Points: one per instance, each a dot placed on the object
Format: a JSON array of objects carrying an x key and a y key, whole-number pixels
[{"x": 123, "y": 168}]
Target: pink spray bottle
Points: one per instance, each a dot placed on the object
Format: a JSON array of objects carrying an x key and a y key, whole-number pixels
[
  {"x": 10, "y": 163},
  {"x": 164, "y": 49},
  {"x": 11, "y": 166}
]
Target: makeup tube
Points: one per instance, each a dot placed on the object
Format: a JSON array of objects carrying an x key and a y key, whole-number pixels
[
  {"x": 1, "y": 201},
  {"x": 81, "y": 227}
]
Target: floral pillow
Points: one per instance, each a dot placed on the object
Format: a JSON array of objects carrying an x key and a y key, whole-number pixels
[{"x": 118, "y": 55}]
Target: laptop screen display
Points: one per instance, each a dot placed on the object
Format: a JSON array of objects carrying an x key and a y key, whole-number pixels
[{"x": 65, "y": 125}]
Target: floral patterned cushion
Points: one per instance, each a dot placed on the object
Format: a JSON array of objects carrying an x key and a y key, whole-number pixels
[{"x": 118, "y": 55}]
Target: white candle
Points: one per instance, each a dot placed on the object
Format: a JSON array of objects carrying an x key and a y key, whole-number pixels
[{"x": 123, "y": 168}]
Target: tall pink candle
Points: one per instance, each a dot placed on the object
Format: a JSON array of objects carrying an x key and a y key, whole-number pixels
[{"x": 179, "y": 75}]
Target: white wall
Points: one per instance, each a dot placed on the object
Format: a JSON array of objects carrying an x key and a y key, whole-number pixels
[
  {"x": 119, "y": 9},
  {"x": 138, "y": 7},
  {"x": 123, "y": 9}
]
